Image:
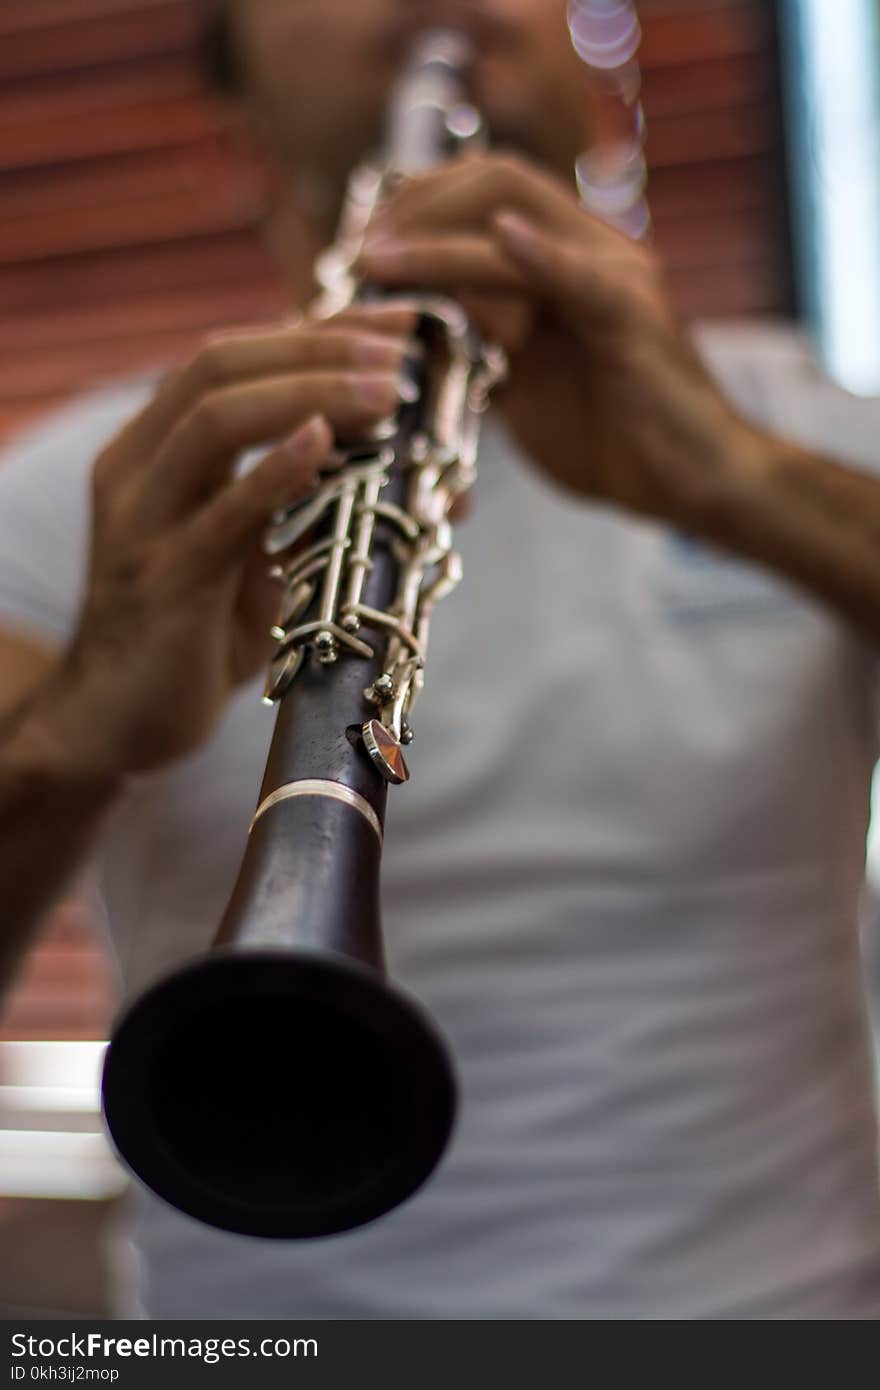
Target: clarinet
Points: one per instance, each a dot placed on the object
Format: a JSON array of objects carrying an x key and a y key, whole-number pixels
[{"x": 281, "y": 1085}]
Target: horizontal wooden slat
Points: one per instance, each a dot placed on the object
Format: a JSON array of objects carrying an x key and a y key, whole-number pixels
[
  {"x": 719, "y": 83},
  {"x": 139, "y": 221},
  {"x": 81, "y": 43},
  {"x": 40, "y": 16},
  {"x": 735, "y": 133},
  {"x": 25, "y": 376},
  {"x": 66, "y": 989},
  {"x": 714, "y": 188},
  {"x": 681, "y": 33},
  {"x": 103, "y": 182},
  {"x": 738, "y": 292},
  {"x": 73, "y": 962},
  {"x": 64, "y": 330},
  {"x": 67, "y": 98},
  {"x": 144, "y": 125},
  {"x": 47, "y": 1016},
  {"x": 94, "y": 279}
]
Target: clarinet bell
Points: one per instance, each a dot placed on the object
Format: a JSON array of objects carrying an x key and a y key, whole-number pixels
[{"x": 279, "y": 1093}]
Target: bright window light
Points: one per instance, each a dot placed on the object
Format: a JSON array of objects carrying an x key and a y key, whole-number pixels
[
  {"x": 68, "y": 1064},
  {"x": 42, "y": 1163},
  {"x": 51, "y": 1136},
  {"x": 832, "y": 52}
]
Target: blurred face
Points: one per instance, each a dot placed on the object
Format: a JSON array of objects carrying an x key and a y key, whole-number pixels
[{"x": 318, "y": 74}]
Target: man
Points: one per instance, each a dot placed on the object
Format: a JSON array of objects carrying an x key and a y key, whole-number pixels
[{"x": 625, "y": 875}]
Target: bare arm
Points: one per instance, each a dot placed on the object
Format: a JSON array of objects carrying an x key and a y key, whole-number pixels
[
  {"x": 52, "y": 800},
  {"x": 808, "y": 517}
]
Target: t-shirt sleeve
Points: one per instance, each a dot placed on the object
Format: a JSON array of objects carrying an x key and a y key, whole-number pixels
[{"x": 45, "y": 492}]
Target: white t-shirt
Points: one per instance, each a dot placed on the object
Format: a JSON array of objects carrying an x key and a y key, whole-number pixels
[{"x": 624, "y": 878}]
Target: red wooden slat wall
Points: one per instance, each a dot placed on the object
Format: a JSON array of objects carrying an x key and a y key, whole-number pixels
[{"x": 120, "y": 240}]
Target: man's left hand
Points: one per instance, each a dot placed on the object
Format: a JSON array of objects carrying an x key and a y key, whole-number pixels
[{"x": 606, "y": 391}]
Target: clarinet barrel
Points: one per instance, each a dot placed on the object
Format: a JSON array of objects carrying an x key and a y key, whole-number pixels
[{"x": 281, "y": 1085}]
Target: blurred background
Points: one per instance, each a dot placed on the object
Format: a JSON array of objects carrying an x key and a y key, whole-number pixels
[{"x": 126, "y": 231}]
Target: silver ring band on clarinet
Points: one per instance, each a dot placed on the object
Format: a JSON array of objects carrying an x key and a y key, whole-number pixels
[{"x": 317, "y": 786}]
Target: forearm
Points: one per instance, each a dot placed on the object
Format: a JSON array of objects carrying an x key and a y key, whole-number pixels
[
  {"x": 807, "y": 517},
  {"x": 54, "y": 794}
]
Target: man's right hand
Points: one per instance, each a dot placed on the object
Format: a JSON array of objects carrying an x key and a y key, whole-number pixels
[{"x": 178, "y": 602}]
